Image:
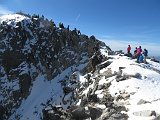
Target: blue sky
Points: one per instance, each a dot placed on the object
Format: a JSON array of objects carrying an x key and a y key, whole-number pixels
[{"x": 117, "y": 22}]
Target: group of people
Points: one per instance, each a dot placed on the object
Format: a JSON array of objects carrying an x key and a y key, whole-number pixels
[{"x": 139, "y": 54}]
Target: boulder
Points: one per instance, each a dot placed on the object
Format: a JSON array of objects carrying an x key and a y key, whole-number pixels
[
  {"x": 141, "y": 101},
  {"x": 157, "y": 118},
  {"x": 93, "y": 98},
  {"x": 80, "y": 113},
  {"x": 25, "y": 83},
  {"x": 2, "y": 112},
  {"x": 95, "y": 112},
  {"x": 145, "y": 113},
  {"x": 67, "y": 90}
]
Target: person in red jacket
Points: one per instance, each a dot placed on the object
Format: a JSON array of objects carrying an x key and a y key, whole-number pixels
[{"x": 129, "y": 49}]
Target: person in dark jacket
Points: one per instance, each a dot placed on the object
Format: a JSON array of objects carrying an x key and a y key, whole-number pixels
[
  {"x": 135, "y": 53},
  {"x": 145, "y": 52}
]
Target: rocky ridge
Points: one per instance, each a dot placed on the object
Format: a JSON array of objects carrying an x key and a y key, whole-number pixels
[
  {"x": 93, "y": 100},
  {"x": 31, "y": 46},
  {"x": 51, "y": 79},
  {"x": 109, "y": 92}
]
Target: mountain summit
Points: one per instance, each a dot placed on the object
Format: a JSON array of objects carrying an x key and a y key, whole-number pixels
[
  {"x": 47, "y": 73},
  {"x": 32, "y": 47}
]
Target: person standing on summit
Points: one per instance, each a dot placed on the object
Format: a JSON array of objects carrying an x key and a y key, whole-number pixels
[
  {"x": 139, "y": 50},
  {"x": 145, "y": 52},
  {"x": 129, "y": 49}
]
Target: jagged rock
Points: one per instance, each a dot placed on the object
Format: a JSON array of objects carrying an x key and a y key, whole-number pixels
[
  {"x": 84, "y": 101},
  {"x": 95, "y": 86},
  {"x": 16, "y": 95},
  {"x": 80, "y": 113},
  {"x": 141, "y": 101},
  {"x": 2, "y": 112},
  {"x": 103, "y": 65},
  {"x": 25, "y": 83},
  {"x": 49, "y": 74},
  {"x": 52, "y": 116},
  {"x": 113, "y": 114},
  {"x": 124, "y": 96},
  {"x": 57, "y": 107},
  {"x": 107, "y": 85},
  {"x": 120, "y": 68},
  {"x": 121, "y": 78},
  {"x": 35, "y": 46},
  {"x": 157, "y": 118},
  {"x": 95, "y": 112},
  {"x": 153, "y": 113},
  {"x": 145, "y": 113},
  {"x": 88, "y": 78},
  {"x": 56, "y": 113},
  {"x": 67, "y": 90},
  {"x": 105, "y": 116},
  {"x": 107, "y": 73},
  {"x": 137, "y": 75},
  {"x": 132, "y": 93},
  {"x": 93, "y": 98},
  {"x": 107, "y": 98},
  {"x": 120, "y": 108},
  {"x": 118, "y": 116},
  {"x": 111, "y": 52},
  {"x": 109, "y": 104},
  {"x": 101, "y": 87}
]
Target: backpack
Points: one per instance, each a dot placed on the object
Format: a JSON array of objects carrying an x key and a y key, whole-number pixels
[{"x": 145, "y": 53}]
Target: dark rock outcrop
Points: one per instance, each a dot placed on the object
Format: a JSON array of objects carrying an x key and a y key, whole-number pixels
[{"x": 36, "y": 46}]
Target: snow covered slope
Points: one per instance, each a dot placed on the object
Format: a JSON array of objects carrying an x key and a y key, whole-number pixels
[
  {"x": 132, "y": 85},
  {"x": 12, "y": 19},
  {"x": 122, "y": 90},
  {"x": 42, "y": 76},
  {"x": 146, "y": 88},
  {"x": 43, "y": 91},
  {"x": 36, "y": 61},
  {"x": 144, "y": 100},
  {"x": 143, "y": 90}
]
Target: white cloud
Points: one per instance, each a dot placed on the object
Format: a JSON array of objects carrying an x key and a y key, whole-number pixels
[
  {"x": 78, "y": 16},
  {"x": 4, "y": 10},
  {"x": 153, "y": 48}
]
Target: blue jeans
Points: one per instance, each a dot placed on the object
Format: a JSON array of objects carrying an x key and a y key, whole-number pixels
[{"x": 138, "y": 58}]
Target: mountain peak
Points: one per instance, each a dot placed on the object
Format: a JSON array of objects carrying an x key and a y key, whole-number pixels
[
  {"x": 12, "y": 19},
  {"x": 33, "y": 46},
  {"x": 50, "y": 72}
]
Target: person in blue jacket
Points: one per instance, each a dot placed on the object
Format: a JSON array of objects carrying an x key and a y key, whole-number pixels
[{"x": 141, "y": 58}]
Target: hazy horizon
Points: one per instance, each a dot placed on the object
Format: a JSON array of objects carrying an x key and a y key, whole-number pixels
[{"x": 153, "y": 49}]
